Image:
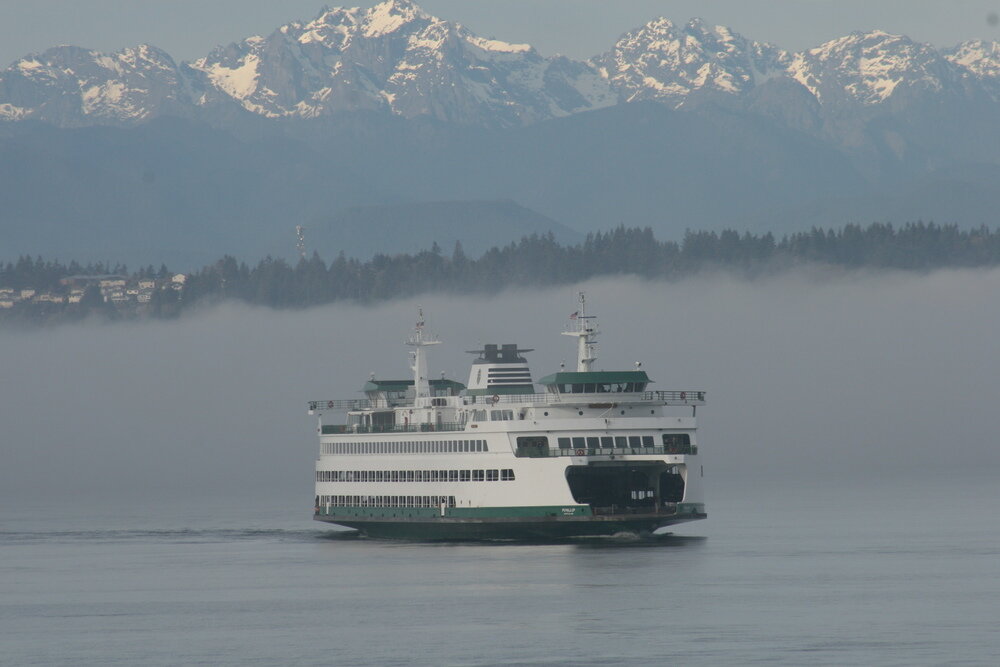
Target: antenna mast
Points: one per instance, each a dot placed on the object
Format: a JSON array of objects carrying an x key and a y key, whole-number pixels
[
  {"x": 421, "y": 384},
  {"x": 300, "y": 240},
  {"x": 586, "y": 332}
]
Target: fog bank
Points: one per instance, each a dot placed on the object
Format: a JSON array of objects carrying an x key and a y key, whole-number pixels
[{"x": 808, "y": 375}]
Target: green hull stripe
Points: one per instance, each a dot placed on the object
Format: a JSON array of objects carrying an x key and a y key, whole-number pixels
[
  {"x": 497, "y": 514},
  {"x": 454, "y": 512},
  {"x": 508, "y": 528}
]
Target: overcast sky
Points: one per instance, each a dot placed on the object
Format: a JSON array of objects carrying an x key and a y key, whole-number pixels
[{"x": 578, "y": 28}]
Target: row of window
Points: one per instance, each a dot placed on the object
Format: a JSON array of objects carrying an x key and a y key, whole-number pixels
[
  {"x": 601, "y": 388},
  {"x": 503, "y": 475},
  {"x": 607, "y": 442},
  {"x": 670, "y": 441},
  {"x": 385, "y": 501},
  {"x": 404, "y": 447}
]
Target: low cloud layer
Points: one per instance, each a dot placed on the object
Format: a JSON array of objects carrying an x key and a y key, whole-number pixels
[{"x": 809, "y": 374}]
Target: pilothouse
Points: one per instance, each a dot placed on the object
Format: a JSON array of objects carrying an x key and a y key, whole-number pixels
[{"x": 594, "y": 453}]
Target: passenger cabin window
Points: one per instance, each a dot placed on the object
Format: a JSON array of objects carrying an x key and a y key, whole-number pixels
[
  {"x": 601, "y": 387},
  {"x": 533, "y": 446},
  {"x": 677, "y": 443}
]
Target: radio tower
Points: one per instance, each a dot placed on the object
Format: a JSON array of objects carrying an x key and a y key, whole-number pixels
[{"x": 300, "y": 242}]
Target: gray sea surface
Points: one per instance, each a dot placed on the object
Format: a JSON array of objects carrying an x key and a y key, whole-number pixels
[{"x": 833, "y": 570}]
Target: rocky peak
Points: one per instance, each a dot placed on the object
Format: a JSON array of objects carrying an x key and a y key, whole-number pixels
[
  {"x": 392, "y": 15},
  {"x": 68, "y": 84},
  {"x": 978, "y": 57},
  {"x": 660, "y": 61},
  {"x": 868, "y": 67},
  {"x": 332, "y": 28}
]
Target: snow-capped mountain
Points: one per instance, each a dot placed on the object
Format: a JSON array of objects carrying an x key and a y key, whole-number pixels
[
  {"x": 979, "y": 61},
  {"x": 397, "y": 59},
  {"x": 393, "y": 57},
  {"x": 870, "y": 126},
  {"x": 868, "y": 69},
  {"x": 67, "y": 85},
  {"x": 662, "y": 62}
]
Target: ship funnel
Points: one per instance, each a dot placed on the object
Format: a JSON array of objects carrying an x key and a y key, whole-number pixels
[{"x": 500, "y": 369}]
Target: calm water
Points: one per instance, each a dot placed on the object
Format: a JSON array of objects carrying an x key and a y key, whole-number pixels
[{"x": 813, "y": 573}]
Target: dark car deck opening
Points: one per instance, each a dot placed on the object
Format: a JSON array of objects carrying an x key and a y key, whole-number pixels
[{"x": 625, "y": 487}]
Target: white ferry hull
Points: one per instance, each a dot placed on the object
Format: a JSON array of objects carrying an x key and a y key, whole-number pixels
[{"x": 596, "y": 453}]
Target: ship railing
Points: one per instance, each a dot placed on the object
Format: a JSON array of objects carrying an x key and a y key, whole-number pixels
[
  {"x": 544, "y": 452},
  {"x": 679, "y": 397},
  {"x": 676, "y": 397},
  {"x": 492, "y": 399},
  {"x": 340, "y": 404},
  {"x": 331, "y": 429},
  {"x": 604, "y": 399}
]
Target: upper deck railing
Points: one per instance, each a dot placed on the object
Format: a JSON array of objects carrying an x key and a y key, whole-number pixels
[
  {"x": 600, "y": 399},
  {"x": 330, "y": 429}
]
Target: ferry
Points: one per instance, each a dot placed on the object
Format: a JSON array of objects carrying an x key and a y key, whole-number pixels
[{"x": 594, "y": 453}]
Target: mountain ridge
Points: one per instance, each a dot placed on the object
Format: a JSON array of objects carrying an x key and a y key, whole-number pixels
[
  {"x": 675, "y": 127},
  {"x": 396, "y": 58}
]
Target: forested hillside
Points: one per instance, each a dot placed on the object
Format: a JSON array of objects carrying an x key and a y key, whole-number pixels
[{"x": 532, "y": 262}]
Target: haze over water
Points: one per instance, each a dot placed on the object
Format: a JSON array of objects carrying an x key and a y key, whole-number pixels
[{"x": 156, "y": 486}]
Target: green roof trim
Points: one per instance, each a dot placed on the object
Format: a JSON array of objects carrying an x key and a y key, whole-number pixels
[
  {"x": 403, "y": 385},
  {"x": 594, "y": 377}
]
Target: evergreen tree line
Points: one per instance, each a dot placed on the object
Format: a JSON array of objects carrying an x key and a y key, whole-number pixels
[{"x": 540, "y": 260}]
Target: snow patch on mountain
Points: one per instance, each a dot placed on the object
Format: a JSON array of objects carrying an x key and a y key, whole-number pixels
[
  {"x": 10, "y": 112},
  {"x": 239, "y": 81},
  {"x": 388, "y": 17},
  {"x": 498, "y": 46}
]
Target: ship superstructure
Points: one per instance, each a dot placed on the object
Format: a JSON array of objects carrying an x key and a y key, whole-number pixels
[{"x": 592, "y": 453}]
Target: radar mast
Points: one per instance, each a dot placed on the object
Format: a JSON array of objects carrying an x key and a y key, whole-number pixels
[
  {"x": 418, "y": 341},
  {"x": 584, "y": 327}
]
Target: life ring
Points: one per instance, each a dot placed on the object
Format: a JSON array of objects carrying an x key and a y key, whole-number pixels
[
  {"x": 579, "y": 452},
  {"x": 684, "y": 395},
  {"x": 329, "y": 404},
  {"x": 496, "y": 398}
]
